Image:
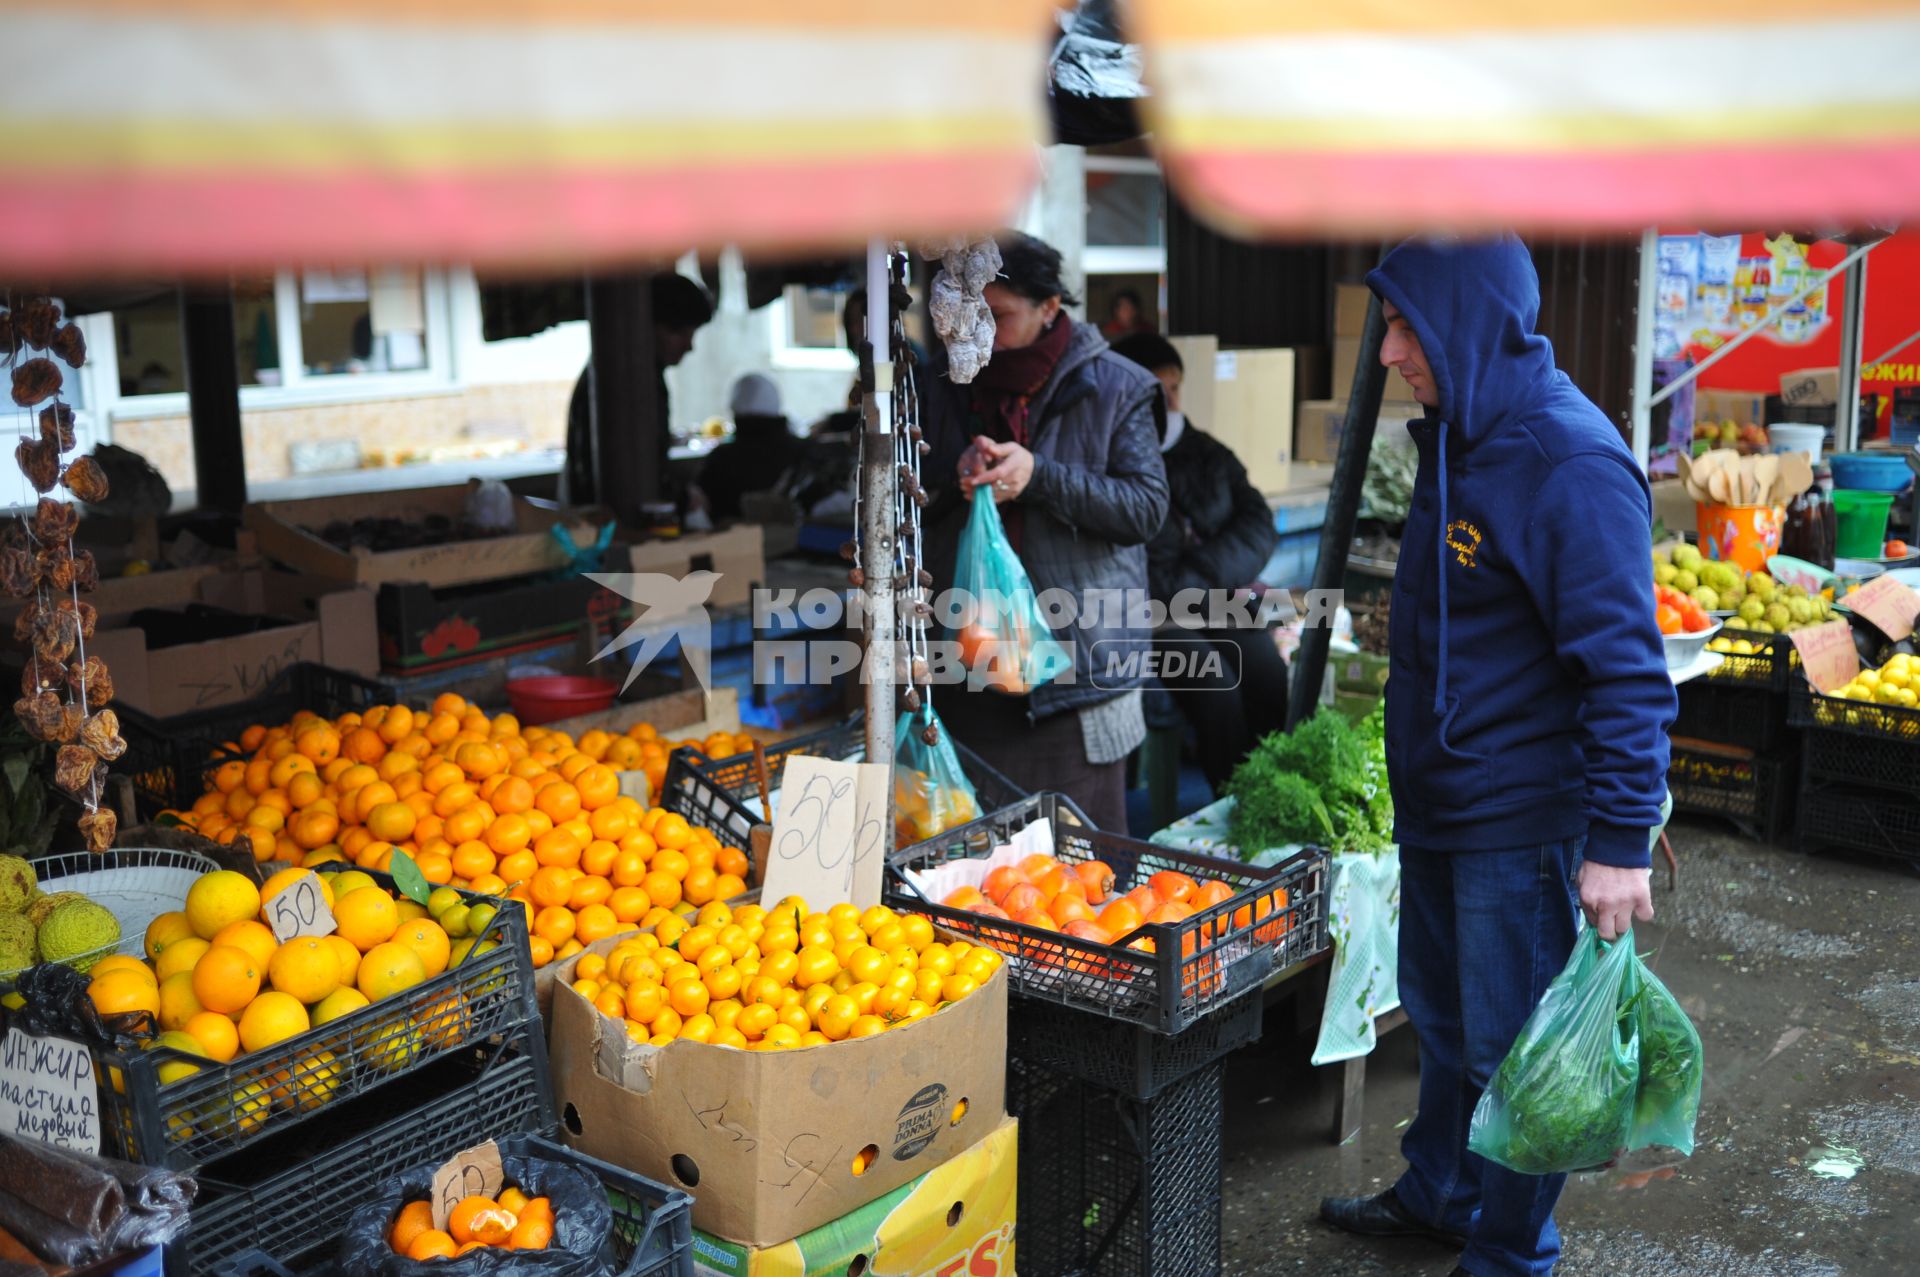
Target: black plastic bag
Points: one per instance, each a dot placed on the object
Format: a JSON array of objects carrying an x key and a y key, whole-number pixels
[
  {"x": 75, "y": 1208},
  {"x": 582, "y": 1228}
]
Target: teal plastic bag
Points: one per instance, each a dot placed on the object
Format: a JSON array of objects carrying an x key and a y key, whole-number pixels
[
  {"x": 931, "y": 794},
  {"x": 1564, "y": 1098},
  {"x": 1672, "y": 1067},
  {"x": 1003, "y": 639}
]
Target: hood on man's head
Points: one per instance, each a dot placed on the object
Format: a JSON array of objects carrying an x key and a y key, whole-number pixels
[{"x": 1473, "y": 304}]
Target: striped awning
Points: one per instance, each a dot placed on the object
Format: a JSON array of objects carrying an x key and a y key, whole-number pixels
[
  {"x": 164, "y": 135},
  {"x": 1382, "y": 116}
]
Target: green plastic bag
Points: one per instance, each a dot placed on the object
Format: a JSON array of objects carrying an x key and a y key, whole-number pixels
[
  {"x": 1003, "y": 639},
  {"x": 1671, "y": 1067},
  {"x": 1563, "y": 1099}
]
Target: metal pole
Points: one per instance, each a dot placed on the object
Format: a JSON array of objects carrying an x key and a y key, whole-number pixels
[
  {"x": 878, "y": 512},
  {"x": 213, "y": 398},
  {"x": 1643, "y": 347},
  {"x": 1853, "y": 313},
  {"x": 1343, "y": 511}
]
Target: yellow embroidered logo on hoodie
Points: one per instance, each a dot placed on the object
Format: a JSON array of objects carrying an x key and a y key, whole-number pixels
[{"x": 1464, "y": 540}]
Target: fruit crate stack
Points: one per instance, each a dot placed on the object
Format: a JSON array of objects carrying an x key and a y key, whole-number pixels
[
  {"x": 1860, "y": 775},
  {"x": 1734, "y": 754},
  {"x": 1115, "y": 1054},
  {"x": 324, "y": 1116}
]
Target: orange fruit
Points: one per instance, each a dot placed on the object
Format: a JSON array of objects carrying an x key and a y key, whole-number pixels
[
  {"x": 596, "y": 922},
  {"x": 253, "y": 936},
  {"x": 557, "y": 847},
  {"x": 387, "y": 969},
  {"x": 121, "y": 991},
  {"x": 306, "y": 968},
  {"x": 559, "y": 800},
  {"x": 271, "y": 1018},
  {"x": 219, "y": 898},
  {"x": 662, "y": 888},
  {"x": 366, "y": 917},
  {"x": 428, "y": 940},
  {"x": 480, "y": 1219},
  {"x": 414, "y": 1219},
  {"x": 672, "y": 832},
  {"x": 225, "y": 979},
  {"x": 550, "y": 885},
  {"x": 588, "y": 890},
  {"x": 432, "y": 1244}
]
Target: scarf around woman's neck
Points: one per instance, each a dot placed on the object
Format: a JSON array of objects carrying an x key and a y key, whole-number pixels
[{"x": 1004, "y": 390}]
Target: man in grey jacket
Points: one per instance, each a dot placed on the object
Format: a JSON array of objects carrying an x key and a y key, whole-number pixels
[{"x": 1066, "y": 435}]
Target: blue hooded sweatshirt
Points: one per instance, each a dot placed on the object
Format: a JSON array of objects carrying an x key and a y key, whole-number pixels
[{"x": 1529, "y": 699}]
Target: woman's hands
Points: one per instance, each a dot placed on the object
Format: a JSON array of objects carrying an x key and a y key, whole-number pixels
[{"x": 1007, "y": 467}]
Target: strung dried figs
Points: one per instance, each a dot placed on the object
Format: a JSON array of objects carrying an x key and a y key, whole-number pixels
[
  {"x": 101, "y": 734},
  {"x": 73, "y": 769},
  {"x": 930, "y": 734},
  {"x": 70, "y": 345},
  {"x": 54, "y": 634},
  {"x": 55, "y": 520},
  {"x": 37, "y": 678},
  {"x": 36, "y": 379},
  {"x": 86, "y": 572},
  {"x": 99, "y": 826},
  {"x": 17, "y": 575},
  {"x": 39, "y": 460},
  {"x": 45, "y": 715},
  {"x": 56, "y": 426},
  {"x": 88, "y": 614},
  {"x": 6, "y": 333},
  {"x": 35, "y": 321},
  {"x": 86, "y": 480},
  {"x": 53, "y": 565},
  {"x": 23, "y": 623},
  {"x": 91, "y": 682}
]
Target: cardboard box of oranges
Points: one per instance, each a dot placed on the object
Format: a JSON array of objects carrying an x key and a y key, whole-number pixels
[{"x": 775, "y": 1130}]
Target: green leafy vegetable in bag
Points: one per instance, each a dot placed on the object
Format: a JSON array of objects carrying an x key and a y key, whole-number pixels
[{"x": 1671, "y": 1067}]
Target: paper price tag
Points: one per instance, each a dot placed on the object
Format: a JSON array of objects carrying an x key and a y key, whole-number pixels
[
  {"x": 829, "y": 839},
  {"x": 300, "y": 909},
  {"x": 49, "y": 1091},
  {"x": 1827, "y": 654},
  {"x": 476, "y": 1170},
  {"x": 1888, "y": 604}
]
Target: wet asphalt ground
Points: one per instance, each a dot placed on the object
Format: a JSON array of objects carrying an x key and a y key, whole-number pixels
[{"x": 1803, "y": 977}]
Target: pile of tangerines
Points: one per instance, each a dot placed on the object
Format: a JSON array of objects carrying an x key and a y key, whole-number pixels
[
  {"x": 775, "y": 979},
  {"x": 482, "y": 804},
  {"x": 511, "y": 1221}
]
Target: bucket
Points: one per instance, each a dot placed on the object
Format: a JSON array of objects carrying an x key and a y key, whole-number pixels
[
  {"x": 1795, "y": 436},
  {"x": 552, "y": 698},
  {"x": 1862, "y": 523},
  {"x": 1743, "y": 534}
]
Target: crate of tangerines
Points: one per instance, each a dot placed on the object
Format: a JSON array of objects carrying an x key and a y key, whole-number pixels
[
  {"x": 1110, "y": 925},
  {"x": 558, "y": 1211}
]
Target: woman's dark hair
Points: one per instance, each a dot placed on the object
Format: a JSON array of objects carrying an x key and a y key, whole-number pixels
[
  {"x": 1031, "y": 268},
  {"x": 1150, "y": 350}
]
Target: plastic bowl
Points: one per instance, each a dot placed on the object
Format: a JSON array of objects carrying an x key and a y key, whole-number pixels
[
  {"x": 1796, "y": 436},
  {"x": 550, "y": 698},
  {"x": 1684, "y": 649},
  {"x": 1870, "y": 471}
]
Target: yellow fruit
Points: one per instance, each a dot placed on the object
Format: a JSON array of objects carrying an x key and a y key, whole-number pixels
[
  {"x": 253, "y": 936},
  {"x": 218, "y": 899},
  {"x": 166, "y": 929},
  {"x": 350, "y": 881},
  {"x": 388, "y": 968},
  {"x": 123, "y": 991},
  {"x": 341, "y": 1002},
  {"x": 180, "y": 956},
  {"x": 347, "y": 956},
  {"x": 309, "y": 1084},
  {"x": 270, "y": 1018},
  {"x": 366, "y": 917},
  {"x": 394, "y": 1051},
  {"x": 246, "y": 1111},
  {"x": 216, "y": 1034},
  {"x": 305, "y": 968},
  {"x": 177, "y": 1003},
  {"x": 174, "y": 1070}
]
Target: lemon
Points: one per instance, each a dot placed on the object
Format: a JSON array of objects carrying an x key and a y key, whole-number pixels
[{"x": 219, "y": 899}]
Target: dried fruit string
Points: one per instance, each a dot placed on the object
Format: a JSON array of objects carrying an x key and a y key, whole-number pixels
[{"x": 38, "y": 560}]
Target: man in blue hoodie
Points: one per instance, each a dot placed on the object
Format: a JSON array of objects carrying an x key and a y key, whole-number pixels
[{"x": 1527, "y": 716}]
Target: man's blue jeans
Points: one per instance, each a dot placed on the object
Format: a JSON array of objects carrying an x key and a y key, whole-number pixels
[{"x": 1482, "y": 934}]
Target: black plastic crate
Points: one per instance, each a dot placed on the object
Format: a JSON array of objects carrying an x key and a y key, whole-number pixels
[
  {"x": 1126, "y": 1058},
  {"x": 1276, "y": 918},
  {"x": 1809, "y": 708},
  {"x": 1117, "y": 1187},
  {"x": 1743, "y": 717},
  {"x": 1858, "y": 819},
  {"x": 168, "y": 759},
  {"x": 288, "y": 1198},
  {"x": 1754, "y": 793},
  {"x": 1851, "y": 758},
  {"x": 217, "y": 1111},
  {"x": 1768, "y": 669}
]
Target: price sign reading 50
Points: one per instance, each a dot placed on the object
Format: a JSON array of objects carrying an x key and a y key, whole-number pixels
[
  {"x": 830, "y": 837},
  {"x": 300, "y": 909}
]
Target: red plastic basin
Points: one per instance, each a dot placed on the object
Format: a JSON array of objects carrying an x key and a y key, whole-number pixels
[{"x": 557, "y": 696}]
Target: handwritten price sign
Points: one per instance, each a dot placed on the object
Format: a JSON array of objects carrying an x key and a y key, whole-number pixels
[
  {"x": 1888, "y": 604},
  {"x": 1827, "y": 654},
  {"x": 300, "y": 909},
  {"x": 49, "y": 1091},
  {"x": 475, "y": 1171},
  {"x": 830, "y": 837}
]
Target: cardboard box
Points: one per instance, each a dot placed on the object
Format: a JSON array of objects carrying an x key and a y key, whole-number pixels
[
  {"x": 422, "y": 628},
  {"x": 1350, "y": 309},
  {"x": 1253, "y": 412},
  {"x": 957, "y": 1220},
  {"x": 1197, "y": 355},
  {"x": 737, "y": 553},
  {"x": 1321, "y": 423},
  {"x": 1737, "y": 406},
  {"x": 120, "y": 596},
  {"x": 1346, "y": 358},
  {"x": 1672, "y": 506},
  {"x": 1809, "y": 388},
  {"x": 289, "y": 531},
  {"x": 766, "y": 1140},
  {"x": 325, "y": 623}
]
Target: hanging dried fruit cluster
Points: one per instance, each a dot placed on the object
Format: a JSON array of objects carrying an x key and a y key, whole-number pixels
[{"x": 64, "y": 692}]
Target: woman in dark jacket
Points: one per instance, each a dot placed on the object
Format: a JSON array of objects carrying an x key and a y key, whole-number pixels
[
  {"x": 1064, "y": 433},
  {"x": 1218, "y": 535}
]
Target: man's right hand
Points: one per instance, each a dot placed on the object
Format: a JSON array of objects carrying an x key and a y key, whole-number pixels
[{"x": 1612, "y": 897}]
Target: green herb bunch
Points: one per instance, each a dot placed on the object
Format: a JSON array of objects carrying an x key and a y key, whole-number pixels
[{"x": 1324, "y": 783}]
